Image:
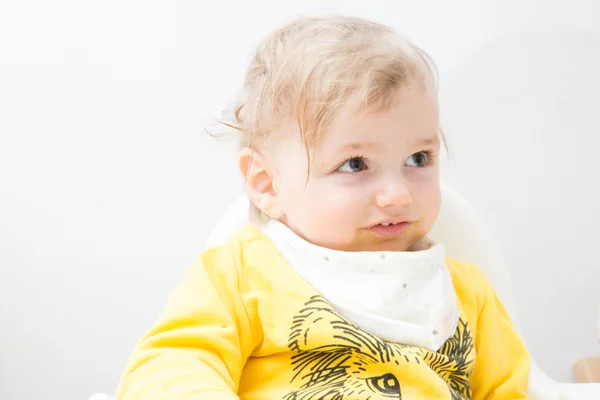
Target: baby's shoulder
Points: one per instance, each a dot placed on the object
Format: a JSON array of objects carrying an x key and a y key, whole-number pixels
[
  {"x": 464, "y": 271},
  {"x": 248, "y": 243},
  {"x": 470, "y": 283}
]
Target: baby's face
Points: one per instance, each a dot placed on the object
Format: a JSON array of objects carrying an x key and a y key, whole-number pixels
[{"x": 374, "y": 179}]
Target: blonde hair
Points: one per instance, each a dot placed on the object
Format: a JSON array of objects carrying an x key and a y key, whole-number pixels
[{"x": 313, "y": 67}]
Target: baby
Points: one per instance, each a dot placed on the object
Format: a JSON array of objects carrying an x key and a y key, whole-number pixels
[{"x": 334, "y": 291}]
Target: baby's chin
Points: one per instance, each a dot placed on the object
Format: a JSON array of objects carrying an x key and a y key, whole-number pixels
[
  {"x": 397, "y": 245},
  {"x": 362, "y": 240},
  {"x": 408, "y": 243}
]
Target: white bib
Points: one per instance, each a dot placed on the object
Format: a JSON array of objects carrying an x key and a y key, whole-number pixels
[{"x": 402, "y": 297}]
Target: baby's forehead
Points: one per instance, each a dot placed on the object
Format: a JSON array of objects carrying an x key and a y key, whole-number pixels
[
  {"x": 413, "y": 118},
  {"x": 373, "y": 142},
  {"x": 409, "y": 121}
]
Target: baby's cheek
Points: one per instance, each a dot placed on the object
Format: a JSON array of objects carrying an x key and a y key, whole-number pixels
[
  {"x": 325, "y": 216},
  {"x": 428, "y": 202},
  {"x": 334, "y": 229}
]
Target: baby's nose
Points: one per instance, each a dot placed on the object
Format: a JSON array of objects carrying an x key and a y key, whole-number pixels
[{"x": 394, "y": 192}]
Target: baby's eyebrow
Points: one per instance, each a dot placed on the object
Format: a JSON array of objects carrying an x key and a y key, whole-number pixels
[
  {"x": 363, "y": 146},
  {"x": 358, "y": 146},
  {"x": 430, "y": 141}
]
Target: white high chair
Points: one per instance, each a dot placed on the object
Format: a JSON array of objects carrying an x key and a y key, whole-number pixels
[{"x": 466, "y": 238}]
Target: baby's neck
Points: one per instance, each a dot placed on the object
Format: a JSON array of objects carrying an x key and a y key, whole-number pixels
[{"x": 421, "y": 245}]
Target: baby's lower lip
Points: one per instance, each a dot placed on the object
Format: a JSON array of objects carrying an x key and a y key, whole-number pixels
[{"x": 390, "y": 230}]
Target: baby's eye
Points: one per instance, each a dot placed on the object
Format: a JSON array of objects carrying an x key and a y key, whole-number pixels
[
  {"x": 420, "y": 159},
  {"x": 355, "y": 164}
]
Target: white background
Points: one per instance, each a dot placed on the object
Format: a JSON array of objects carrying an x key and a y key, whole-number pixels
[{"x": 109, "y": 186}]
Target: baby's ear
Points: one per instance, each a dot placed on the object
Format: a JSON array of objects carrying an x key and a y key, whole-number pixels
[{"x": 258, "y": 180}]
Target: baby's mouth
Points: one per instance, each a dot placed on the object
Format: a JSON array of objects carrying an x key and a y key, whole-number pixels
[{"x": 390, "y": 229}]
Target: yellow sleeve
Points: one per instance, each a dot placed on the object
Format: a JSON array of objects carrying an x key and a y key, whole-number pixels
[
  {"x": 502, "y": 364},
  {"x": 199, "y": 345}
]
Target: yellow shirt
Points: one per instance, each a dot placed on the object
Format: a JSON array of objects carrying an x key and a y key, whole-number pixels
[{"x": 242, "y": 324}]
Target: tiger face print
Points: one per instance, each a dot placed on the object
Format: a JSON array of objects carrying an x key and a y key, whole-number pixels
[{"x": 353, "y": 364}]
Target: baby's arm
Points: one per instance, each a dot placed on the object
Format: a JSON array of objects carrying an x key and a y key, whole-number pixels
[
  {"x": 199, "y": 346},
  {"x": 502, "y": 364}
]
